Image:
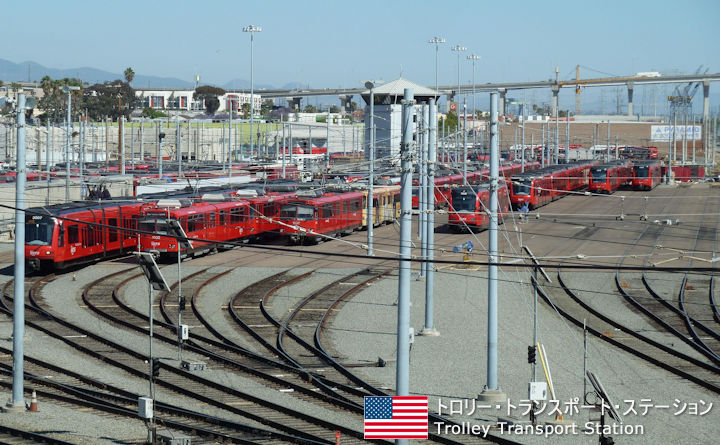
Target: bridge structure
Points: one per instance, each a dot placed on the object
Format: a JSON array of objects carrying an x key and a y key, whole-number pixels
[{"x": 345, "y": 94}]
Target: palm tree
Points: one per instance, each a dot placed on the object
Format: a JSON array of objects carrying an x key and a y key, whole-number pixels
[{"x": 129, "y": 75}]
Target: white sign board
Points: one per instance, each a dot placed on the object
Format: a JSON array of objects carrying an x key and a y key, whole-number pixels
[{"x": 664, "y": 133}]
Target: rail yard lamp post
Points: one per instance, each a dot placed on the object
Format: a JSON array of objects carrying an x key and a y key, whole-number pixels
[
  {"x": 436, "y": 40},
  {"x": 252, "y": 29},
  {"x": 68, "y": 127},
  {"x": 371, "y": 149},
  {"x": 458, "y": 49},
  {"x": 474, "y": 58}
]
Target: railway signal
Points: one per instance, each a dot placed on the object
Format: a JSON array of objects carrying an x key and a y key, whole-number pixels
[
  {"x": 531, "y": 354},
  {"x": 155, "y": 367}
]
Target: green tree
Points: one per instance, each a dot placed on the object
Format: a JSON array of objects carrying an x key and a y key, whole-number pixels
[
  {"x": 54, "y": 101},
  {"x": 334, "y": 109},
  {"x": 109, "y": 99},
  {"x": 152, "y": 113},
  {"x": 310, "y": 109},
  {"x": 129, "y": 75},
  {"x": 245, "y": 110},
  {"x": 267, "y": 107},
  {"x": 451, "y": 122},
  {"x": 210, "y": 95}
]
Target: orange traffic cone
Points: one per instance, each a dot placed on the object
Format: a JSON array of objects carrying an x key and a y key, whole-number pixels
[{"x": 33, "y": 403}]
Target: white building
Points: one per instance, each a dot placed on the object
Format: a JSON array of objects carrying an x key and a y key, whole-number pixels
[{"x": 181, "y": 99}]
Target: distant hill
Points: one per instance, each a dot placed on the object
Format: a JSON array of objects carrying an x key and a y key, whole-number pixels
[{"x": 20, "y": 72}]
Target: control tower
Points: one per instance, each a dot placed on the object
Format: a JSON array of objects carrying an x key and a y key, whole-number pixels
[{"x": 388, "y": 116}]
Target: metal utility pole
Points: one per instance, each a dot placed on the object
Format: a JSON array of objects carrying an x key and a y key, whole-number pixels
[
  {"x": 47, "y": 162},
  {"x": 557, "y": 136},
  {"x": 458, "y": 49},
  {"x": 161, "y": 136},
  {"x": 252, "y": 30},
  {"x": 81, "y": 151},
  {"x": 421, "y": 184},
  {"x": 474, "y": 58},
  {"x": 121, "y": 145},
  {"x": 327, "y": 144},
  {"x": 425, "y": 191},
  {"x": 283, "y": 147},
  {"x": 465, "y": 157},
  {"x": 371, "y": 180},
  {"x": 18, "y": 402},
  {"x": 178, "y": 147},
  {"x": 402, "y": 376},
  {"x": 107, "y": 143},
  {"x": 567, "y": 137},
  {"x": 68, "y": 129},
  {"x": 491, "y": 391},
  {"x": 607, "y": 148},
  {"x": 142, "y": 146},
  {"x": 693, "y": 140},
  {"x": 522, "y": 139},
  {"x": 542, "y": 154},
  {"x": 617, "y": 148},
  {"x": 684, "y": 136},
  {"x": 436, "y": 40},
  {"x": 229, "y": 139},
  {"x": 132, "y": 145},
  {"x": 557, "y": 119},
  {"x": 429, "y": 328}
]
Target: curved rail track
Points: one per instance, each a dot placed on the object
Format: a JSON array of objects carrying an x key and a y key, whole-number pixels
[
  {"x": 180, "y": 382},
  {"x": 570, "y": 305}
]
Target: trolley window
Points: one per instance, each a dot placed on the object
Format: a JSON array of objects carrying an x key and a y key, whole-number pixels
[
  {"x": 195, "y": 223},
  {"x": 326, "y": 211},
  {"x": 238, "y": 215},
  {"x": 38, "y": 233},
  {"x": 300, "y": 212},
  {"x": 73, "y": 234},
  {"x": 112, "y": 233}
]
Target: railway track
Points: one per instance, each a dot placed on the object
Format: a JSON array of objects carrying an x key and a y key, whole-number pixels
[
  {"x": 76, "y": 391},
  {"x": 14, "y": 436},
  {"x": 679, "y": 316},
  {"x": 651, "y": 349},
  {"x": 179, "y": 382}
]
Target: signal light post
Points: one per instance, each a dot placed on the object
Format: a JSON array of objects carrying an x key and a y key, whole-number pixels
[{"x": 155, "y": 281}]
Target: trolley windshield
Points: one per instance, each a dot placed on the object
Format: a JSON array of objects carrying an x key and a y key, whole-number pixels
[
  {"x": 39, "y": 232},
  {"x": 300, "y": 212},
  {"x": 463, "y": 201},
  {"x": 521, "y": 187},
  {"x": 157, "y": 226},
  {"x": 642, "y": 172},
  {"x": 599, "y": 175}
]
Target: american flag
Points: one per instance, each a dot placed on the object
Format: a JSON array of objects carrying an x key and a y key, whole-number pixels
[{"x": 396, "y": 417}]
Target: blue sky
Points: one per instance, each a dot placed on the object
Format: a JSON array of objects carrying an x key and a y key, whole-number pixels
[{"x": 341, "y": 43}]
